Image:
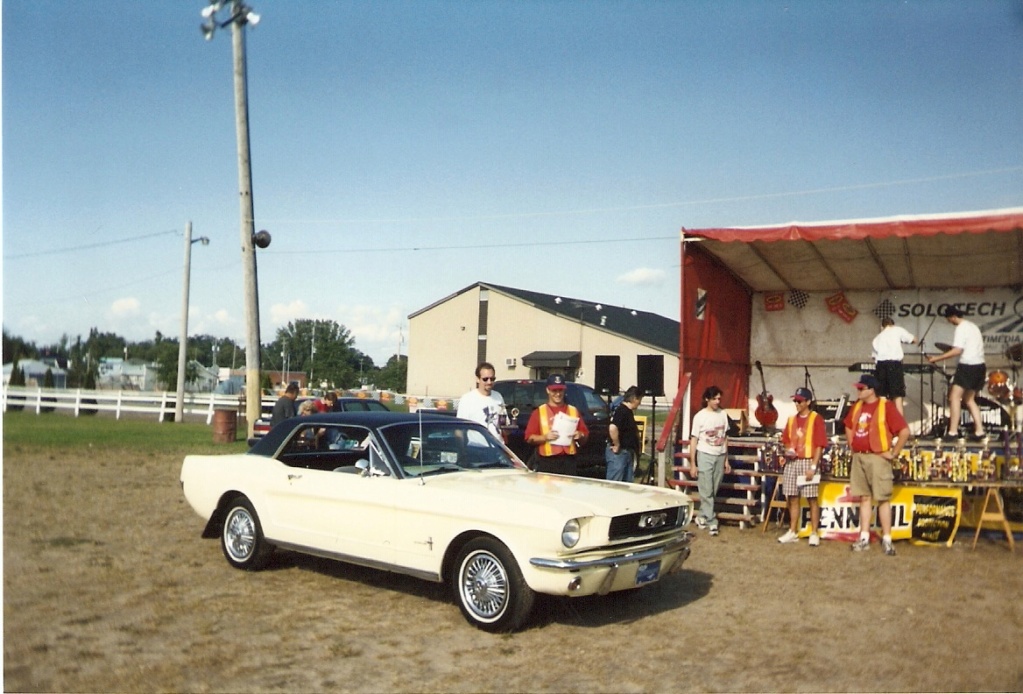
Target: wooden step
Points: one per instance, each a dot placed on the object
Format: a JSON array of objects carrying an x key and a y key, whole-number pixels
[
  {"x": 730, "y": 500},
  {"x": 737, "y": 486}
]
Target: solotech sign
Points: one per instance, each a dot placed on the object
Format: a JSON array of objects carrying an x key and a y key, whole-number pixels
[{"x": 997, "y": 312}]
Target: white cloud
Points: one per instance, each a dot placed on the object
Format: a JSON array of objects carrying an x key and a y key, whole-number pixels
[
  {"x": 282, "y": 314},
  {"x": 642, "y": 276},
  {"x": 125, "y": 308}
]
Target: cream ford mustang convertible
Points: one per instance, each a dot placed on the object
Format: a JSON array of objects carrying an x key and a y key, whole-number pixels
[{"x": 441, "y": 499}]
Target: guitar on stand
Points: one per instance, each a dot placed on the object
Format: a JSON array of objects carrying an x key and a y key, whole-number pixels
[{"x": 766, "y": 413}]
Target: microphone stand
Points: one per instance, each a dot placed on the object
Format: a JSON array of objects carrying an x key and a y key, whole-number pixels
[
  {"x": 923, "y": 359},
  {"x": 808, "y": 383}
]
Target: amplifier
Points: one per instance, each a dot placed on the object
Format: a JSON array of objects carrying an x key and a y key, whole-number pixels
[{"x": 833, "y": 412}]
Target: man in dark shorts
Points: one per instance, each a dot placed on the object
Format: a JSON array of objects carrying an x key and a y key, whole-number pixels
[
  {"x": 968, "y": 345},
  {"x": 887, "y": 347}
]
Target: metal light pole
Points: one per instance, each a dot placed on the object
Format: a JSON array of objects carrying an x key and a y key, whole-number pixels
[
  {"x": 240, "y": 15},
  {"x": 179, "y": 405}
]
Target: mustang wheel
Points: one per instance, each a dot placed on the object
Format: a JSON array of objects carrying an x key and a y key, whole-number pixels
[
  {"x": 242, "y": 537},
  {"x": 489, "y": 587}
]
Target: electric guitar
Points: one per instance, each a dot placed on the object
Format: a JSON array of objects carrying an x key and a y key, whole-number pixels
[{"x": 766, "y": 413}]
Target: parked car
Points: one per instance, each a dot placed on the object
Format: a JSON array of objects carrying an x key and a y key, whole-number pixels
[
  {"x": 345, "y": 404},
  {"x": 522, "y": 397},
  {"x": 438, "y": 498}
]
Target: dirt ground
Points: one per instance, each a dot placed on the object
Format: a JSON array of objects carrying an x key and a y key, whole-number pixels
[{"x": 108, "y": 587}]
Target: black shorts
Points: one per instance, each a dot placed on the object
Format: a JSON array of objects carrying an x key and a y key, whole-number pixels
[
  {"x": 970, "y": 376},
  {"x": 891, "y": 380}
]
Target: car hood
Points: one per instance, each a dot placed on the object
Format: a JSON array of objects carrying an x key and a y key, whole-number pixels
[{"x": 573, "y": 496}]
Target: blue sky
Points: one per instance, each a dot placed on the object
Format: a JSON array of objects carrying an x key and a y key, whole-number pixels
[{"x": 404, "y": 150}]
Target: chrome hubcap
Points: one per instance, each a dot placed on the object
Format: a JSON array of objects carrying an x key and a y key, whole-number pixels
[
  {"x": 484, "y": 585},
  {"x": 239, "y": 534}
]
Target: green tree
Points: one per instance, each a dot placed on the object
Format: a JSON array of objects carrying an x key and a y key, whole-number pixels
[
  {"x": 394, "y": 375},
  {"x": 17, "y": 379},
  {"x": 15, "y": 347},
  {"x": 104, "y": 344},
  {"x": 322, "y": 349},
  {"x": 48, "y": 383},
  {"x": 167, "y": 366}
]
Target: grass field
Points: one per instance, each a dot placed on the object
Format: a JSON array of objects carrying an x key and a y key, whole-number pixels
[{"x": 27, "y": 429}]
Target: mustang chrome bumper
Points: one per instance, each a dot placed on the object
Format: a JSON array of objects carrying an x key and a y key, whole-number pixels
[{"x": 616, "y": 560}]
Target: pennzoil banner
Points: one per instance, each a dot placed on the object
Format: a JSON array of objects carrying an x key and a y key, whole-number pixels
[{"x": 925, "y": 515}]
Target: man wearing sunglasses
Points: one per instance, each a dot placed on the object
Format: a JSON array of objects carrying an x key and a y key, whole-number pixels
[{"x": 483, "y": 404}]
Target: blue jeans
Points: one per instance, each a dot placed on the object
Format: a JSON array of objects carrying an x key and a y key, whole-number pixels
[
  {"x": 710, "y": 471},
  {"x": 620, "y": 465}
]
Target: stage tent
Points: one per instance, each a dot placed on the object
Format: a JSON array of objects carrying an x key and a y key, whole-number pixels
[{"x": 726, "y": 270}]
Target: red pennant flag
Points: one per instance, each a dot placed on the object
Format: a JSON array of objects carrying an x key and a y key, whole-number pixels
[{"x": 840, "y": 306}]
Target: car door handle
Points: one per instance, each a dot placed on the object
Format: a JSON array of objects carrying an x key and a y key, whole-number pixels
[{"x": 294, "y": 477}]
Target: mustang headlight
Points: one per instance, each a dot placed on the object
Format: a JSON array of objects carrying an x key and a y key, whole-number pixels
[{"x": 570, "y": 533}]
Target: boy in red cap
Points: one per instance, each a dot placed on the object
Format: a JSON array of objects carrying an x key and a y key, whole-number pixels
[{"x": 804, "y": 439}]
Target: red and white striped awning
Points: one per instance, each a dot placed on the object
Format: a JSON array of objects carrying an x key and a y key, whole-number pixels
[{"x": 971, "y": 249}]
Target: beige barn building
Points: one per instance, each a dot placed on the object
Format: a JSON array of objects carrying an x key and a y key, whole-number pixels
[{"x": 528, "y": 335}]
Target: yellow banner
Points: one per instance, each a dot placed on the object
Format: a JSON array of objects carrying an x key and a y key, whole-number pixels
[{"x": 924, "y": 515}]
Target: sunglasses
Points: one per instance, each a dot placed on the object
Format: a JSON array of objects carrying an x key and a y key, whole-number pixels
[{"x": 488, "y": 379}]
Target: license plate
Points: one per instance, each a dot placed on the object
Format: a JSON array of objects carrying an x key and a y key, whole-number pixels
[{"x": 648, "y": 572}]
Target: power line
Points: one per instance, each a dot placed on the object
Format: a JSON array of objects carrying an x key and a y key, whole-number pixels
[
  {"x": 99, "y": 244},
  {"x": 653, "y": 206},
  {"x": 471, "y": 246}
]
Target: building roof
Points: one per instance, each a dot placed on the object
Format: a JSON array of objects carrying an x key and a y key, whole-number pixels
[{"x": 639, "y": 326}]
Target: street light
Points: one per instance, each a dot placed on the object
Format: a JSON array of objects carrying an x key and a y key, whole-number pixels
[
  {"x": 179, "y": 405},
  {"x": 240, "y": 15}
]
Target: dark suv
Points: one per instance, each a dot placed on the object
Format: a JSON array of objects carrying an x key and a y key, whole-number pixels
[{"x": 522, "y": 397}]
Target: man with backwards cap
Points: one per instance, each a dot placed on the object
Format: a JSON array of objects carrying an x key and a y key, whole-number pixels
[
  {"x": 876, "y": 432},
  {"x": 804, "y": 439},
  {"x": 968, "y": 345},
  {"x": 549, "y": 456}
]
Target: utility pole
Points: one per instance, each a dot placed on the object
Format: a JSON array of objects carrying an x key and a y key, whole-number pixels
[
  {"x": 179, "y": 403},
  {"x": 241, "y": 15},
  {"x": 253, "y": 393}
]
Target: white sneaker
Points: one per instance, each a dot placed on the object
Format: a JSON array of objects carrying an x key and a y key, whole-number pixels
[
  {"x": 815, "y": 540},
  {"x": 788, "y": 538},
  {"x": 701, "y": 522}
]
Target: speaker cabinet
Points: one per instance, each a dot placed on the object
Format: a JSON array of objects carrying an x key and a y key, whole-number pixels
[
  {"x": 650, "y": 374},
  {"x": 607, "y": 376}
]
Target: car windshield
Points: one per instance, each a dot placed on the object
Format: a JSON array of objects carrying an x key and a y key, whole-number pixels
[{"x": 432, "y": 448}]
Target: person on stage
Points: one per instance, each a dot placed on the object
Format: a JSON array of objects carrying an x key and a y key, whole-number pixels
[
  {"x": 888, "y": 357},
  {"x": 968, "y": 345},
  {"x": 804, "y": 439}
]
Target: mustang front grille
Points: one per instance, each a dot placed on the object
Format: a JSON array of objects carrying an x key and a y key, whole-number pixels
[{"x": 645, "y": 523}]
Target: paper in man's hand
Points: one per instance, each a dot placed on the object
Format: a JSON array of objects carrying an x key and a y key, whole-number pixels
[{"x": 565, "y": 427}]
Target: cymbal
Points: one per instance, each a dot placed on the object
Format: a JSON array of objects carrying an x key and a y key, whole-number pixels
[
  {"x": 1015, "y": 352},
  {"x": 944, "y": 347}
]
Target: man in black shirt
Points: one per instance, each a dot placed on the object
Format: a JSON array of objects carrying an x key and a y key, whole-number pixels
[
  {"x": 623, "y": 442},
  {"x": 284, "y": 408}
]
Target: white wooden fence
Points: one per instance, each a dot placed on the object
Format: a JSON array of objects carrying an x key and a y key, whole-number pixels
[{"x": 158, "y": 404}]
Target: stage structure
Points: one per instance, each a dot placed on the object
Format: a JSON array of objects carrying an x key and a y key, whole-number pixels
[
  {"x": 806, "y": 300},
  {"x": 766, "y": 310}
]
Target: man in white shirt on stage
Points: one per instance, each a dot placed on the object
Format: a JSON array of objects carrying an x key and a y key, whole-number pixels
[
  {"x": 888, "y": 360},
  {"x": 968, "y": 345},
  {"x": 483, "y": 404}
]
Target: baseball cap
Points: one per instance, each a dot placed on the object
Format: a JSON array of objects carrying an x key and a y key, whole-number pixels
[
  {"x": 867, "y": 381},
  {"x": 556, "y": 381},
  {"x": 802, "y": 394}
]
